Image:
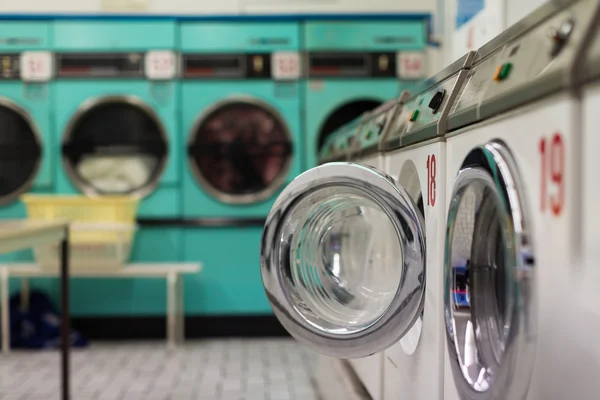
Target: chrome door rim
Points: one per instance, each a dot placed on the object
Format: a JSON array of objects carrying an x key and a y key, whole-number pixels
[
  {"x": 268, "y": 191},
  {"x": 408, "y": 301},
  {"x": 508, "y": 375},
  {"x": 27, "y": 184},
  {"x": 89, "y": 105}
]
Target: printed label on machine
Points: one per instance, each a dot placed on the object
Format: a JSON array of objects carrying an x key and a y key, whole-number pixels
[
  {"x": 161, "y": 65},
  {"x": 36, "y": 66},
  {"x": 411, "y": 65},
  {"x": 286, "y": 65}
]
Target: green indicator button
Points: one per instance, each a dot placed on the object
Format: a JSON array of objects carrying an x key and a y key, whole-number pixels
[
  {"x": 414, "y": 116},
  {"x": 369, "y": 134},
  {"x": 505, "y": 71}
]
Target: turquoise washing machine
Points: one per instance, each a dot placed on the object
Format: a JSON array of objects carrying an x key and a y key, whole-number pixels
[
  {"x": 354, "y": 66},
  {"x": 240, "y": 113},
  {"x": 27, "y": 161},
  {"x": 117, "y": 131}
]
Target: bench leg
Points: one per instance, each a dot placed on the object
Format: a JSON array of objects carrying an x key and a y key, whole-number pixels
[
  {"x": 5, "y": 310},
  {"x": 25, "y": 291},
  {"x": 180, "y": 310},
  {"x": 171, "y": 310}
]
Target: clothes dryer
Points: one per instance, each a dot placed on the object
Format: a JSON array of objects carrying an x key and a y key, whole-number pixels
[
  {"x": 353, "y": 67},
  {"x": 26, "y": 160},
  {"x": 241, "y": 114},
  {"x": 115, "y": 116},
  {"x": 513, "y": 201}
]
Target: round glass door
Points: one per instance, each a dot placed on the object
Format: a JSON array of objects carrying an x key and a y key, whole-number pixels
[
  {"x": 20, "y": 152},
  {"x": 489, "y": 266},
  {"x": 343, "y": 260},
  {"x": 240, "y": 151},
  {"x": 115, "y": 146}
]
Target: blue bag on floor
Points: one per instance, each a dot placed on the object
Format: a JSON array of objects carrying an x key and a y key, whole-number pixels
[{"x": 39, "y": 326}]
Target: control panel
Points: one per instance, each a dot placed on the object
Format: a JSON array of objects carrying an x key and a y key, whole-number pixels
[
  {"x": 278, "y": 66},
  {"x": 375, "y": 125},
  {"x": 341, "y": 143},
  {"x": 9, "y": 67},
  {"x": 100, "y": 65},
  {"x": 28, "y": 66},
  {"x": 351, "y": 65},
  {"x": 591, "y": 64},
  {"x": 538, "y": 62},
  {"x": 477, "y": 81},
  {"x": 428, "y": 107}
]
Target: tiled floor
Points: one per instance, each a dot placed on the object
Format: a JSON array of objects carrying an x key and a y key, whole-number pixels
[{"x": 203, "y": 370}]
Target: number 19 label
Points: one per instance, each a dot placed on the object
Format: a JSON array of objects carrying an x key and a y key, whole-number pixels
[{"x": 552, "y": 183}]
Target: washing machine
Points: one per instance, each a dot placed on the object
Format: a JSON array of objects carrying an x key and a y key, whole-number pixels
[
  {"x": 375, "y": 128},
  {"x": 358, "y": 141},
  {"x": 512, "y": 235},
  {"x": 582, "y": 348},
  {"x": 354, "y": 66},
  {"x": 241, "y": 120},
  {"x": 27, "y": 162},
  {"x": 341, "y": 144},
  {"x": 414, "y": 156},
  {"x": 366, "y": 140},
  {"x": 343, "y": 254},
  {"x": 115, "y": 117}
]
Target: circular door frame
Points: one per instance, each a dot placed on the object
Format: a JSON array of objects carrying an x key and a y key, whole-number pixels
[
  {"x": 408, "y": 302},
  {"x": 497, "y": 171},
  {"x": 89, "y": 104},
  {"x": 244, "y": 199},
  {"x": 27, "y": 184}
]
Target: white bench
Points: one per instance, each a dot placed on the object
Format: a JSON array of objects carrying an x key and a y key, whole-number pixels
[{"x": 171, "y": 272}]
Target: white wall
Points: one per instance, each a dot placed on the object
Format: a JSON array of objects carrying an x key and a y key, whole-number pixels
[{"x": 217, "y": 6}]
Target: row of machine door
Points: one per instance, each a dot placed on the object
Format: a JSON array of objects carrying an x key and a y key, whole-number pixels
[
  {"x": 436, "y": 256},
  {"x": 109, "y": 100}
]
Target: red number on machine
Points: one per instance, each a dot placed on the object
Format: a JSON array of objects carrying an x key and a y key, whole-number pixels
[
  {"x": 286, "y": 65},
  {"x": 160, "y": 65},
  {"x": 431, "y": 180},
  {"x": 552, "y": 184},
  {"x": 36, "y": 66}
]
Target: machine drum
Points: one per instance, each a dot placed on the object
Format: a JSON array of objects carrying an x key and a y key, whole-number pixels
[
  {"x": 20, "y": 154},
  {"x": 115, "y": 148},
  {"x": 240, "y": 149}
]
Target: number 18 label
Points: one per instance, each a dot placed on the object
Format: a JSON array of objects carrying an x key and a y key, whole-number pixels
[{"x": 431, "y": 180}]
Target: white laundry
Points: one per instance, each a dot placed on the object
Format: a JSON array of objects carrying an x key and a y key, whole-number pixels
[{"x": 117, "y": 174}]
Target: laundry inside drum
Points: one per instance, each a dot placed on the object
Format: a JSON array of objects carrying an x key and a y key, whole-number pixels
[
  {"x": 240, "y": 149},
  {"x": 115, "y": 148},
  {"x": 346, "y": 259},
  {"x": 117, "y": 174}
]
